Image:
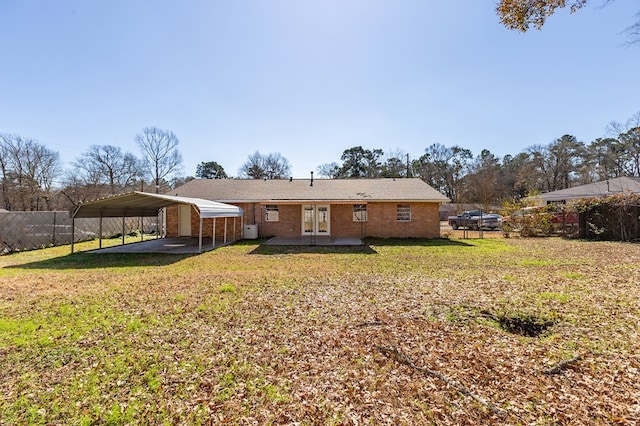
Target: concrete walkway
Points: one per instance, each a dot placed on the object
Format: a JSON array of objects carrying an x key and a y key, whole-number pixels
[{"x": 313, "y": 241}]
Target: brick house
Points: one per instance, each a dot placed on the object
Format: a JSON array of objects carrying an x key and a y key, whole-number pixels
[{"x": 336, "y": 208}]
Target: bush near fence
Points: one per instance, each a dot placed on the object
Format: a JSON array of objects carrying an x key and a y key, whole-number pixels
[
  {"x": 21, "y": 231},
  {"x": 537, "y": 221},
  {"x": 614, "y": 218}
]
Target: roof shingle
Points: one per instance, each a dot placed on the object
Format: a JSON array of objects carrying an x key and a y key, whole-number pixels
[
  {"x": 301, "y": 190},
  {"x": 595, "y": 190}
]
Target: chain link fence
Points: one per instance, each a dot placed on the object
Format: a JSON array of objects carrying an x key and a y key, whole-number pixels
[{"x": 21, "y": 231}]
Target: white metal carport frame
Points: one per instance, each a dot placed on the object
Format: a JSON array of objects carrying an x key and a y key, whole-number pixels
[{"x": 143, "y": 204}]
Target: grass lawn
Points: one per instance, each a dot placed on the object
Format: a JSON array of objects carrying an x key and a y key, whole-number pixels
[{"x": 492, "y": 331}]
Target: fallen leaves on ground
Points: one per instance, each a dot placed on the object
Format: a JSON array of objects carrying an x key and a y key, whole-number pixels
[{"x": 294, "y": 337}]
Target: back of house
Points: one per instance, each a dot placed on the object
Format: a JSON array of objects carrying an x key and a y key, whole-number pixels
[{"x": 337, "y": 208}]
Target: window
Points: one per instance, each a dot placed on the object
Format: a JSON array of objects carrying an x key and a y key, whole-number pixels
[
  {"x": 403, "y": 213},
  {"x": 359, "y": 212},
  {"x": 271, "y": 213}
]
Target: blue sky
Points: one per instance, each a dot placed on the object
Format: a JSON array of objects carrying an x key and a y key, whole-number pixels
[{"x": 309, "y": 79}]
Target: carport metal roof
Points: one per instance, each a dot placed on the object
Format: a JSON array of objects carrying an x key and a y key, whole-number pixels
[{"x": 143, "y": 204}]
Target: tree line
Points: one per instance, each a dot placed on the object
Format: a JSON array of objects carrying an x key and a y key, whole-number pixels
[{"x": 28, "y": 169}]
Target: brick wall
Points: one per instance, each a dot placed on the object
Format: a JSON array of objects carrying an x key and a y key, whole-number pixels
[
  {"x": 171, "y": 219},
  {"x": 289, "y": 225},
  {"x": 207, "y": 225},
  {"x": 342, "y": 224},
  {"x": 382, "y": 222}
]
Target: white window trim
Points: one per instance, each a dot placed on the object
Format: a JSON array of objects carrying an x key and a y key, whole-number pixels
[
  {"x": 271, "y": 213},
  {"x": 401, "y": 210},
  {"x": 360, "y": 213}
]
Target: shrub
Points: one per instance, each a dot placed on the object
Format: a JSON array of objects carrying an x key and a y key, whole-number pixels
[{"x": 612, "y": 218}]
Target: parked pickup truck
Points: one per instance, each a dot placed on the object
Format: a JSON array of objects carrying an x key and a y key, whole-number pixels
[{"x": 475, "y": 219}]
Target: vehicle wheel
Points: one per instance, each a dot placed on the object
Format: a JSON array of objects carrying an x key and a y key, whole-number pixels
[
  {"x": 454, "y": 225},
  {"x": 475, "y": 227}
]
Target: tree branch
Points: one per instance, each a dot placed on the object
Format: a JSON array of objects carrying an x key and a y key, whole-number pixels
[
  {"x": 394, "y": 352},
  {"x": 562, "y": 365}
]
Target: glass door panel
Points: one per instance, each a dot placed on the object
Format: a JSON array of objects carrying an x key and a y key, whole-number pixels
[
  {"x": 322, "y": 215},
  {"x": 315, "y": 220},
  {"x": 308, "y": 215}
]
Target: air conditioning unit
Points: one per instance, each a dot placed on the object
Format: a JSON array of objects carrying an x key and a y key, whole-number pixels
[{"x": 250, "y": 232}]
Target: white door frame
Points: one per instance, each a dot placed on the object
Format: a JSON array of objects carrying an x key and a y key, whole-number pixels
[
  {"x": 184, "y": 220},
  {"x": 320, "y": 219}
]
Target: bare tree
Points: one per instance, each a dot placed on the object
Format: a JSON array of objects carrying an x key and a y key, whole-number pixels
[
  {"x": 6, "y": 168},
  {"x": 395, "y": 164},
  {"x": 28, "y": 171},
  {"x": 107, "y": 170},
  {"x": 270, "y": 166},
  {"x": 161, "y": 157},
  {"x": 628, "y": 134},
  {"x": 328, "y": 170}
]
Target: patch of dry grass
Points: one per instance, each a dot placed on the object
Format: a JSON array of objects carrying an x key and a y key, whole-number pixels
[{"x": 251, "y": 335}]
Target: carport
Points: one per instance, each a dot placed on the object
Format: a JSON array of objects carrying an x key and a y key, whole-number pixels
[{"x": 143, "y": 204}]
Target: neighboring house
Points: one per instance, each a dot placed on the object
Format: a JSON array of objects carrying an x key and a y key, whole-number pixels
[
  {"x": 600, "y": 189},
  {"x": 349, "y": 208}
]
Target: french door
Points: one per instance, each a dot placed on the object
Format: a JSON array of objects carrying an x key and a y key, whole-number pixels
[{"x": 315, "y": 219}]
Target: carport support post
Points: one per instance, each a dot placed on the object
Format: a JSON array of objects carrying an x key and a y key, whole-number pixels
[
  {"x": 53, "y": 234},
  {"x": 73, "y": 228},
  {"x": 123, "y": 216},
  {"x": 158, "y": 216},
  {"x": 100, "y": 231},
  {"x": 200, "y": 237},
  {"x": 214, "y": 233},
  {"x": 225, "y": 230},
  {"x": 234, "y": 228}
]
